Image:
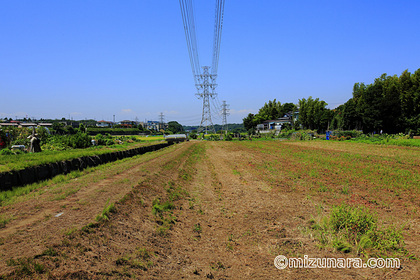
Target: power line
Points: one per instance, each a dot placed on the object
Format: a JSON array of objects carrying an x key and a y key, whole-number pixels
[{"x": 218, "y": 23}]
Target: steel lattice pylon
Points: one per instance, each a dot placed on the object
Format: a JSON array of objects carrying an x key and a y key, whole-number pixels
[
  {"x": 225, "y": 113},
  {"x": 206, "y": 83}
]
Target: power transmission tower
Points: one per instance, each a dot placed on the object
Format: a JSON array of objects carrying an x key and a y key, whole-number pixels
[
  {"x": 206, "y": 82},
  {"x": 225, "y": 113},
  {"x": 161, "y": 123}
]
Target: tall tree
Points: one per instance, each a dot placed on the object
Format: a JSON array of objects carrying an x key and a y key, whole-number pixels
[
  {"x": 249, "y": 121},
  {"x": 313, "y": 113}
]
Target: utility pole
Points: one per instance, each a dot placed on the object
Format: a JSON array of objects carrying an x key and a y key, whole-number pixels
[
  {"x": 206, "y": 82},
  {"x": 225, "y": 113}
]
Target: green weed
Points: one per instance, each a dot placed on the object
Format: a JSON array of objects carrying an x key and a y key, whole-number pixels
[
  {"x": 104, "y": 216},
  {"x": 158, "y": 207},
  {"x": 140, "y": 259},
  {"x": 355, "y": 229},
  {"x": 345, "y": 190},
  {"x": 197, "y": 228},
  {"x": 50, "y": 252}
]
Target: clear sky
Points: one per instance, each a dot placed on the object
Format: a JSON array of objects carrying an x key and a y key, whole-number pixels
[{"x": 99, "y": 58}]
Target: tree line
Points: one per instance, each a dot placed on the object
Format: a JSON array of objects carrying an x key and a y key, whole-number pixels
[{"x": 390, "y": 104}]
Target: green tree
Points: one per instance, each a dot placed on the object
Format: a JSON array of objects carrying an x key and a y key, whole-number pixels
[
  {"x": 313, "y": 113},
  {"x": 175, "y": 127},
  {"x": 350, "y": 116},
  {"x": 82, "y": 127},
  {"x": 58, "y": 128}
]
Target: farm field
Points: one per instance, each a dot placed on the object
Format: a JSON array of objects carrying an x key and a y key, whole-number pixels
[{"x": 218, "y": 210}]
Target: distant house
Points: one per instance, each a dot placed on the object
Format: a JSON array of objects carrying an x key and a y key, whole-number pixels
[
  {"x": 152, "y": 125},
  {"x": 8, "y": 124},
  {"x": 30, "y": 125},
  {"x": 45, "y": 124},
  {"x": 25, "y": 124},
  {"x": 127, "y": 123},
  {"x": 276, "y": 125},
  {"x": 104, "y": 124}
]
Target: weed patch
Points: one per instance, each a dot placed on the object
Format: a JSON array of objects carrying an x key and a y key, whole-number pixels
[
  {"x": 4, "y": 220},
  {"x": 25, "y": 267},
  {"x": 140, "y": 259},
  {"x": 104, "y": 216},
  {"x": 355, "y": 229}
]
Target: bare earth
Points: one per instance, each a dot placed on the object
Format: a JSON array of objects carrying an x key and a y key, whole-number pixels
[{"x": 231, "y": 219}]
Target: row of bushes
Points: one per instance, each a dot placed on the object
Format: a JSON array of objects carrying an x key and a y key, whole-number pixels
[
  {"x": 57, "y": 142},
  {"x": 115, "y": 131}
]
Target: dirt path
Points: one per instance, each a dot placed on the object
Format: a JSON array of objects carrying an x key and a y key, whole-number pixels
[{"x": 197, "y": 210}]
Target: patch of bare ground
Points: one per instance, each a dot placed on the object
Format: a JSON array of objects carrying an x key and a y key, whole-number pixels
[{"x": 212, "y": 210}]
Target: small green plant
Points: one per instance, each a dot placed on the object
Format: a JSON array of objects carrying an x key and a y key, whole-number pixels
[
  {"x": 158, "y": 208},
  {"x": 323, "y": 188},
  {"x": 89, "y": 228},
  {"x": 50, "y": 252},
  {"x": 345, "y": 190},
  {"x": 217, "y": 265},
  {"x": 197, "y": 228},
  {"x": 70, "y": 231},
  {"x": 104, "y": 216},
  {"x": 231, "y": 237}
]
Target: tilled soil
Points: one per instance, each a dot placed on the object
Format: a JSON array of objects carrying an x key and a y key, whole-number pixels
[{"x": 225, "y": 219}]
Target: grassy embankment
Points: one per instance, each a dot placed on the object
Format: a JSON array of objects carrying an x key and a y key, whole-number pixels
[{"x": 21, "y": 161}]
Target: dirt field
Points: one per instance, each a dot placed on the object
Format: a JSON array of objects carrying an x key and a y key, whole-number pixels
[{"x": 217, "y": 210}]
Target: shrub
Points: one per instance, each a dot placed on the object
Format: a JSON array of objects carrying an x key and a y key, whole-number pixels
[
  {"x": 100, "y": 139},
  {"x": 302, "y": 135},
  {"x": 193, "y": 136},
  {"x": 78, "y": 140},
  {"x": 6, "y": 152},
  {"x": 348, "y": 134}
]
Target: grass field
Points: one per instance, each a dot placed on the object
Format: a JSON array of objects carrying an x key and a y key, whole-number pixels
[{"x": 221, "y": 210}]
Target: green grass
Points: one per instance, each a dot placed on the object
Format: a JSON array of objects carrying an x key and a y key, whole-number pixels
[
  {"x": 151, "y": 138},
  {"x": 381, "y": 167},
  {"x": 22, "y": 161},
  {"x": 388, "y": 141}
]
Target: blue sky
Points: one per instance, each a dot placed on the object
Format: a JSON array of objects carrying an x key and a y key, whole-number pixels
[{"x": 95, "y": 59}]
